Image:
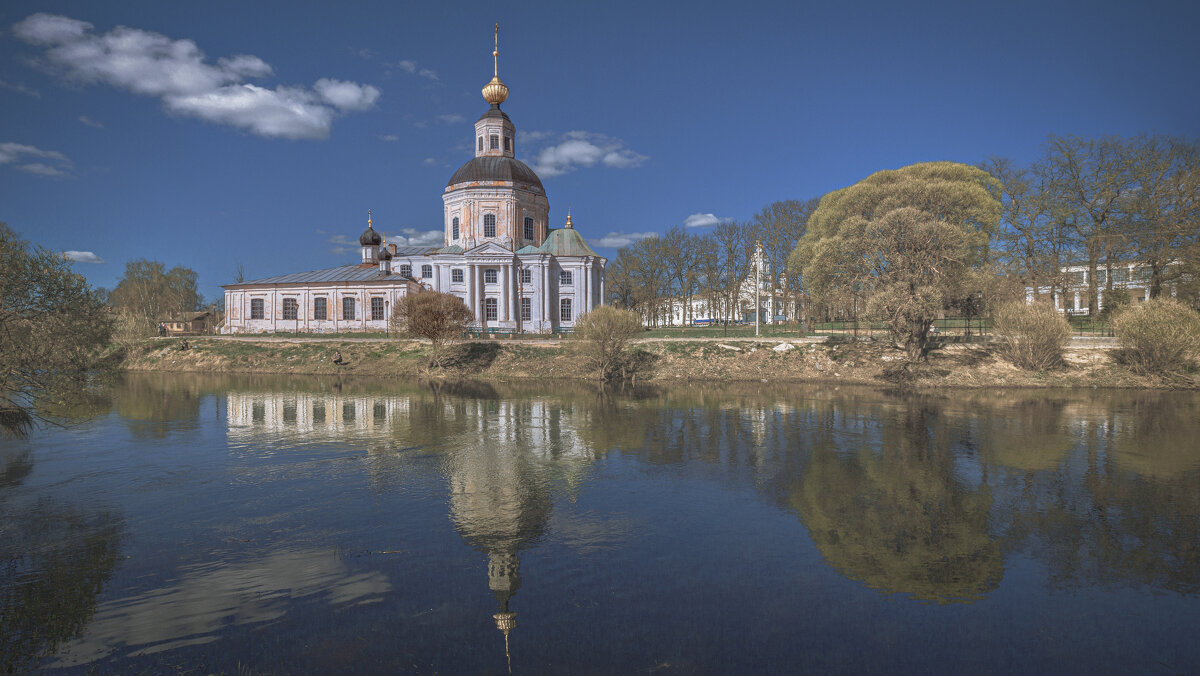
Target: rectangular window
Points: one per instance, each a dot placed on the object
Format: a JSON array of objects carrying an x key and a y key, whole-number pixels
[
  {"x": 376, "y": 309},
  {"x": 456, "y": 275},
  {"x": 347, "y": 309},
  {"x": 320, "y": 309},
  {"x": 528, "y": 228},
  {"x": 427, "y": 271},
  {"x": 256, "y": 308},
  {"x": 507, "y": 143},
  {"x": 481, "y": 143},
  {"x": 564, "y": 278},
  {"x": 495, "y": 143},
  {"x": 526, "y": 310},
  {"x": 289, "y": 308},
  {"x": 454, "y": 228},
  {"x": 490, "y": 275},
  {"x": 489, "y": 225},
  {"x": 489, "y": 309},
  {"x": 1120, "y": 276},
  {"x": 526, "y": 276},
  {"x": 406, "y": 270},
  {"x": 564, "y": 310}
]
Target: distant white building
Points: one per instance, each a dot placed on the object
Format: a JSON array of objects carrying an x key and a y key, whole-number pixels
[
  {"x": 500, "y": 256},
  {"x": 706, "y": 309},
  {"x": 1133, "y": 278}
]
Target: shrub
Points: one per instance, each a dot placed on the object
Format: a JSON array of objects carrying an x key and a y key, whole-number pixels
[
  {"x": 606, "y": 333},
  {"x": 1159, "y": 336},
  {"x": 1031, "y": 336},
  {"x": 129, "y": 329},
  {"x": 438, "y": 317}
]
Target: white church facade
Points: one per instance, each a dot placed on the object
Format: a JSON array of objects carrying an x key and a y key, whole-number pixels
[{"x": 499, "y": 256}]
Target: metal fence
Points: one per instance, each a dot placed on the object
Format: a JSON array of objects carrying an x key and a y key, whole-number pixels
[{"x": 955, "y": 326}]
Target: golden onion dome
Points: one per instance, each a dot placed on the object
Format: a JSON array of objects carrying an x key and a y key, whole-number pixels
[{"x": 495, "y": 92}]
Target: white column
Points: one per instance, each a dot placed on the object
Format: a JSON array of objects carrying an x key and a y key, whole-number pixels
[
  {"x": 600, "y": 274},
  {"x": 547, "y": 322},
  {"x": 470, "y": 299},
  {"x": 504, "y": 293}
]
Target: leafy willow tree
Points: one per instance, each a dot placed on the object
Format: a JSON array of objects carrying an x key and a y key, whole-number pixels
[
  {"x": 53, "y": 328},
  {"x": 152, "y": 292},
  {"x": 908, "y": 242}
]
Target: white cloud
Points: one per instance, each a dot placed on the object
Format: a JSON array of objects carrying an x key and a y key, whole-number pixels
[
  {"x": 409, "y": 66},
  {"x": 20, "y": 89},
  {"x": 56, "y": 165},
  {"x": 415, "y": 237},
  {"x": 703, "y": 220},
  {"x": 177, "y": 73},
  {"x": 429, "y": 161},
  {"x": 451, "y": 119},
  {"x": 90, "y": 122},
  {"x": 616, "y": 240},
  {"x": 584, "y": 149},
  {"x": 390, "y": 138},
  {"x": 83, "y": 257},
  {"x": 41, "y": 169},
  {"x": 346, "y": 95}
]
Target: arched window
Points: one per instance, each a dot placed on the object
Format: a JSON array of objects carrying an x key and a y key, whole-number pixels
[
  {"x": 528, "y": 228},
  {"x": 427, "y": 271},
  {"x": 289, "y": 308},
  {"x": 564, "y": 310},
  {"x": 454, "y": 228},
  {"x": 405, "y": 270},
  {"x": 489, "y": 225}
]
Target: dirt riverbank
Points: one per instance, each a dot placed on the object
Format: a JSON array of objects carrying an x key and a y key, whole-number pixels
[{"x": 676, "y": 361}]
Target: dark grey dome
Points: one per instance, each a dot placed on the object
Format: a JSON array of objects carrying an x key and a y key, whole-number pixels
[
  {"x": 370, "y": 237},
  {"x": 496, "y": 169},
  {"x": 385, "y": 254}
]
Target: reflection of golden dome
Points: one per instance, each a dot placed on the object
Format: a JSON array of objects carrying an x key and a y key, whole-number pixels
[{"x": 496, "y": 92}]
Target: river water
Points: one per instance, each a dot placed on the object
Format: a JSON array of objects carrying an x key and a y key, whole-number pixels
[{"x": 203, "y": 524}]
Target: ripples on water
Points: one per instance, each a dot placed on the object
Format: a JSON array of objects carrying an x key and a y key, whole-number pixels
[{"x": 204, "y": 524}]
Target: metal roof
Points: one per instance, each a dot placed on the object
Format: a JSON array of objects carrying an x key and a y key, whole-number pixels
[
  {"x": 566, "y": 242},
  {"x": 490, "y": 168},
  {"x": 362, "y": 272},
  {"x": 414, "y": 250}
]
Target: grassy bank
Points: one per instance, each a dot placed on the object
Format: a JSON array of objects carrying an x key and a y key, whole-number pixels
[{"x": 874, "y": 363}]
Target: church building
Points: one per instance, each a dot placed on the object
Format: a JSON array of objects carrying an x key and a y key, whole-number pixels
[{"x": 500, "y": 256}]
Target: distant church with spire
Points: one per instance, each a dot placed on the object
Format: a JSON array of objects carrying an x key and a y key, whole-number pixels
[{"x": 500, "y": 256}]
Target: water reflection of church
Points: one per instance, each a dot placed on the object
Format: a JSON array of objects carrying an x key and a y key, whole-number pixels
[{"x": 501, "y": 458}]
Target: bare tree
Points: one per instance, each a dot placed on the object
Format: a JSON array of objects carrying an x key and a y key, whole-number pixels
[{"x": 440, "y": 318}]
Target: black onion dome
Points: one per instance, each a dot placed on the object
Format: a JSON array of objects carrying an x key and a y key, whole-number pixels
[
  {"x": 370, "y": 237},
  {"x": 491, "y": 168},
  {"x": 385, "y": 254}
]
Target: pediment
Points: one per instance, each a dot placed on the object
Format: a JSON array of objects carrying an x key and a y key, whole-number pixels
[{"x": 488, "y": 249}]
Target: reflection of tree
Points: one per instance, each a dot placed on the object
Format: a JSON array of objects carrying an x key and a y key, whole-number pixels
[
  {"x": 896, "y": 517},
  {"x": 53, "y": 562},
  {"x": 1027, "y": 435},
  {"x": 154, "y": 404},
  {"x": 1133, "y": 517}
]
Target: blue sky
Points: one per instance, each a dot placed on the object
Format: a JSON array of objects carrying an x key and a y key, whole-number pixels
[{"x": 212, "y": 134}]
